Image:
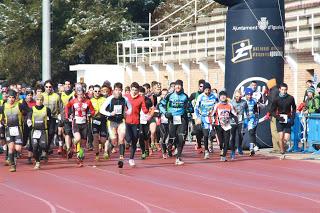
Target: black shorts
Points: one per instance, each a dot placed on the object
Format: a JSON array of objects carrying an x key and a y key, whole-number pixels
[
  {"x": 67, "y": 128},
  {"x": 17, "y": 139},
  {"x": 82, "y": 129},
  {"x": 99, "y": 126},
  {"x": 283, "y": 127},
  {"x": 144, "y": 131}
]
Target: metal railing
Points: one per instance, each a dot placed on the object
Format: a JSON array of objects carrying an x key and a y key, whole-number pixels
[{"x": 302, "y": 32}]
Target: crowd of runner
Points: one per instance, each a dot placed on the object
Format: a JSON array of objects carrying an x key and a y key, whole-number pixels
[{"x": 108, "y": 120}]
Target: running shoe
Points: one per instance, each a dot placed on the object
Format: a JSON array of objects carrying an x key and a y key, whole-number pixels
[
  {"x": 132, "y": 163},
  {"x": 223, "y": 159},
  {"x": 147, "y": 152},
  {"x": 282, "y": 156},
  {"x": 240, "y": 151},
  {"x": 37, "y": 166},
  {"x": 120, "y": 164},
  {"x": 164, "y": 156},
  {"x": 179, "y": 162},
  {"x": 106, "y": 155},
  {"x": 252, "y": 153},
  {"x": 121, "y": 157},
  {"x": 143, "y": 156},
  {"x": 97, "y": 158},
  {"x": 80, "y": 154},
  {"x": 206, "y": 155},
  {"x": 12, "y": 168},
  {"x": 233, "y": 155},
  {"x": 153, "y": 147}
]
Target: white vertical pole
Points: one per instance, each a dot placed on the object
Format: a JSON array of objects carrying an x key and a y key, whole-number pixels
[
  {"x": 46, "y": 28},
  {"x": 195, "y": 11}
]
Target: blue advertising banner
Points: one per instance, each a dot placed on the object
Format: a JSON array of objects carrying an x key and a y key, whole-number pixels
[{"x": 254, "y": 47}]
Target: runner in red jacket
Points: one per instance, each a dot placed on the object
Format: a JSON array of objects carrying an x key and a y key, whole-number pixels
[
  {"x": 133, "y": 120},
  {"x": 80, "y": 110}
]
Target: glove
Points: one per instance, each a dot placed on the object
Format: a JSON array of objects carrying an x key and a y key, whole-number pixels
[
  {"x": 29, "y": 123},
  {"x": 168, "y": 115}
]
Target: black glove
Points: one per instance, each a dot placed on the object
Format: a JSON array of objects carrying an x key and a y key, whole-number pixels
[{"x": 168, "y": 115}]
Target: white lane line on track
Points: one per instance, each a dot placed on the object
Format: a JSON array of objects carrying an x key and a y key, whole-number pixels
[
  {"x": 52, "y": 208},
  {"x": 63, "y": 208},
  {"x": 254, "y": 207},
  {"x": 180, "y": 189},
  {"x": 159, "y": 207},
  {"x": 247, "y": 186},
  {"x": 102, "y": 190}
]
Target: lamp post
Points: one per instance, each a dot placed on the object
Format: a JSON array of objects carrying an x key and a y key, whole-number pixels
[{"x": 46, "y": 28}]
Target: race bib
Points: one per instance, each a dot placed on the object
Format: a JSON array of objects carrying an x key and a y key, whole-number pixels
[
  {"x": 80, "y": 120},
  {"x": 240, "y": 118},
  {"x": 143, "y": 118},
  {"x": 14, "y": 131},
  {"x": 177, "y": 120},
  {"x": 164, "y": 120},
  {"x": 96, "y": 122},
  {"x": 117, "y": 109},
  {"x": 36, "y": 134},
  {"x": 143, "y": 122},
  {"x": 285, "y": 117}
]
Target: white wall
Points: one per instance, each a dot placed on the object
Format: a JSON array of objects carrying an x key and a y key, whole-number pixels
[{"x": 98, "y": 73}]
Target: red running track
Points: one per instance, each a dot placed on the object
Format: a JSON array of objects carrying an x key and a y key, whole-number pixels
[{"x": 258, "y": 184}]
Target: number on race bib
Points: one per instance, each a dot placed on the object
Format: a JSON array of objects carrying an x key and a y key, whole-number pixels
[
  {"x": 80, "y": 120},
  {"x": 177, "y": 120},
  {"x": 36, "y": 134},
  {"x": 96, "y": 122},
  {"x": 285, "y": 117},
  {"x": 164, "y": 120},
  {"x": 14, "y": 131},
  {"x": 117, "y": 109}
]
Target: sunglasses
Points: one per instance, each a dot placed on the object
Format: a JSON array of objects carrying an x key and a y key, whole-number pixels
[
  {"x": 48, "y": 86},
  {"x": 96, "y": 91}
]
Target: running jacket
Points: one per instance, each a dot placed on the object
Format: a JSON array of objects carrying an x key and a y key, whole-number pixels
[
  {"x": 204, "y": 107},
  {"x": 53, "y": 102},
  {"x": 177, "y": 104},
  {"x": 251, "y": 114},
  {"x": 284, "y": 105},
  {"x": 80, "y": 110},
  {"x": 137, "y": 104},
  {"x": 117, "y": 105},
  {"x": 39, "y": 115},
  {"x": 97, "y": 103},
  {"x": 223, "y": 112},
  {"x": 12, "y": 114},
  {"x": 240, "y": 107}
]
